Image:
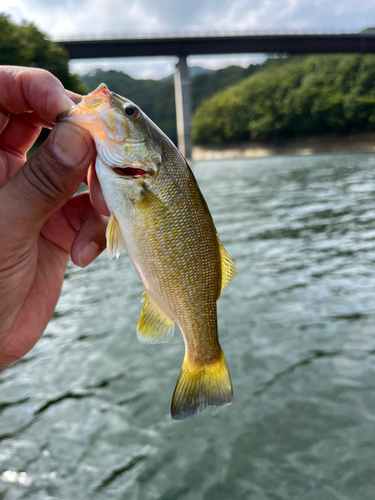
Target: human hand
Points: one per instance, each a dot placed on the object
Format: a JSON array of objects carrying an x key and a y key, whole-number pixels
[{"x": 41, "y": 221}]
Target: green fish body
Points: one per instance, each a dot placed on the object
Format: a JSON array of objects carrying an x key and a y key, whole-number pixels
[{"x": 160, "y": 216}]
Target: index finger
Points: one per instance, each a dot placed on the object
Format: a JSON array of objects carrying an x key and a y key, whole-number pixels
[{"x": 25, "y": 90}]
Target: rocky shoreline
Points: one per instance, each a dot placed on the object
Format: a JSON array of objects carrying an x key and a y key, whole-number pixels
[{"x": 363, "y": 142}]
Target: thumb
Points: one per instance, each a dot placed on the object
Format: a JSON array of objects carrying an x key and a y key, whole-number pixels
[{"x": 48, "y": 179}]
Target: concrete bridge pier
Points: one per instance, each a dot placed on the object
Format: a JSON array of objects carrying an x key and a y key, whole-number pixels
[{"x": 183, "y": 107}]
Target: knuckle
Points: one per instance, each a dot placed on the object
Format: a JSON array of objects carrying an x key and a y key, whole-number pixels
[{"x": 44, "y": 176}]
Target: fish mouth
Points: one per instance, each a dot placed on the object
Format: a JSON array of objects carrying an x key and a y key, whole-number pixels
[{"x": 130, "y": 172}]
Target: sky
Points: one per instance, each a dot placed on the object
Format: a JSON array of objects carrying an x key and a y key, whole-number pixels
[{"x": 108, "y": 18}]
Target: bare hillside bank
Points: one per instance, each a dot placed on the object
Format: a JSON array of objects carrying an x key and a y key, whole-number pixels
[{"x": 363, "y": 142}]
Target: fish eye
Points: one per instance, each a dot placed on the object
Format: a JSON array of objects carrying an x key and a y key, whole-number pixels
[{"x": 131, "y": 111}]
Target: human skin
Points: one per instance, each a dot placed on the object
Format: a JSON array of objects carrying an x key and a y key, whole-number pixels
[{"x": 42, "y": 223}]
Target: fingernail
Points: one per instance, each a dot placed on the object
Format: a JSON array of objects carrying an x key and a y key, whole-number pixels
[
  {"x": 64, "y": 103},
  {"x": 4, "y": 119},
  {"x": 67, "y": 100},
  {"x": 87, "y": 254},
  {"x": 69, "y": 145}
]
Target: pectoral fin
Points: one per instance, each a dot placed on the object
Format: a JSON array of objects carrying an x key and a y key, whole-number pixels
[
  {"x": 115, "y": 241},
  {"x": 154, "y": 327},
  {"x": 228, "y": 267}
]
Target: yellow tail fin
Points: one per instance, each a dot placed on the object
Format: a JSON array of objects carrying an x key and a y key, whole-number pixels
[{"x": 198, "y": 387}]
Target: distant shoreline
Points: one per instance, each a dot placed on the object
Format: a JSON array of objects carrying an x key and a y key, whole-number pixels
[{"x": 361, "y": 142}]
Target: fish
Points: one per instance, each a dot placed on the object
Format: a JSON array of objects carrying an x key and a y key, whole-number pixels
[{"x": 158, "y": 214}]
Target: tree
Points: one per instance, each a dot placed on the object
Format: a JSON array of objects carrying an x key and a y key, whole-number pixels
[{"x": 25, "y": 45}]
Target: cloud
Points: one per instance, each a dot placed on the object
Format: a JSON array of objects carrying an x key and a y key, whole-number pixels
[
  {"x": 160, "y": 67},
  {"x": 98, "y": 18},
  {"x": 111, "y": 17},
  {"x": 154, "y": 68}
]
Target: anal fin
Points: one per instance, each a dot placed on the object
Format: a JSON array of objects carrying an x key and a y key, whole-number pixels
[
  {"x": 115, "y": 240},
  {"x": 228, "y": 267},
  {"x": 154, "y": 327}
]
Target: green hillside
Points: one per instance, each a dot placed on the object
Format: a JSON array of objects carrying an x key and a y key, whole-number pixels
[
  {"x": 204, "y": 85},
  {"x": 156, "y": 97},
  {"x": 298, "y": 96}
]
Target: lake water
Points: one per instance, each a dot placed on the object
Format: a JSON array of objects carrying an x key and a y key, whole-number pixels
[{"x": 86, "y": 414}]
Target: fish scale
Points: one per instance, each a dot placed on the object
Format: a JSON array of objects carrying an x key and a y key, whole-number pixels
[{"x": 160, "y": 216}]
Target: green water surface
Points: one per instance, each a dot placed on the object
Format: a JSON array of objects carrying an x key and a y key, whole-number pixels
[{"x": 86, "y": 414}]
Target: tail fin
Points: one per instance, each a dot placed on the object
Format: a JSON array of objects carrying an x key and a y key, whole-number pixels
[{"x": 198, "y": 387}]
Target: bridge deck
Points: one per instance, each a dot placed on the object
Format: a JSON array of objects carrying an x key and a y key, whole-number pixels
[{"x": 235, "y": 44}]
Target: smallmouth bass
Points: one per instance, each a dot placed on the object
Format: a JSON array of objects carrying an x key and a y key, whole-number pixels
[{"x": 160, "y": 216}]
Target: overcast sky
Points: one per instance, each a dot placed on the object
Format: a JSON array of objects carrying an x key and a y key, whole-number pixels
[{"x": 85, "y": 18}]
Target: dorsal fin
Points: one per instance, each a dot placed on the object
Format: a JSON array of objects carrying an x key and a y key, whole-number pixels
[
  {"x": 228, "y": 267},
  {"x": 154, "y": 327}
]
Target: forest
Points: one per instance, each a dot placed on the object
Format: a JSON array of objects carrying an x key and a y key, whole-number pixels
[{"x": 297, "y": 97}]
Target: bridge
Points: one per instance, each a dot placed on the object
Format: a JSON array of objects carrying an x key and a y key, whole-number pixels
[{"x": 199, "y": 44}]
